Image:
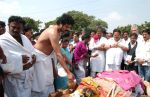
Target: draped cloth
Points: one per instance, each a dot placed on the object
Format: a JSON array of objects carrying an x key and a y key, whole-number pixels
[
  {"x": 18, "y": 82},
  {"x": 43, "y": 74}
]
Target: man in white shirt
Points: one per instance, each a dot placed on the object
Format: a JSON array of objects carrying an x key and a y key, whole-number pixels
[
  {"x": 97, "y": 45},
  {"x": 134, "y": 29},
  {"x": 115, "y": 49},
  {"x": 125, "y": 40},
  {"x": 73, "y": 44},
  {"x": 143, "y": 55}
]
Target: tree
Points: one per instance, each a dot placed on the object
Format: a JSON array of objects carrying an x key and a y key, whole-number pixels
[
  {"x": 82, "y": 21},
  {"x": 35, "y": 24},
  {"x": 147, "y": 24},
  {"x": 98, "y": 23},
  {"x": 125, "y": 28},
  {"x": 140, "y": 27},
  {"x": 50, "y": 23}
]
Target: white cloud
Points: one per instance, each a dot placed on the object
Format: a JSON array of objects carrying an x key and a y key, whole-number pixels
[
  {"x": 113, "y": 19},
  {"x": 8, "y": 8},
  {"x": 113, "y": 16}
]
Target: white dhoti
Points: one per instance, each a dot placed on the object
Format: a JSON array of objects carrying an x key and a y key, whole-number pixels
[
  {"x": 97, "y": 64},
  {"x": 114, "y": 58},
  {"x": 81, "y": 71},
  {"x": 19, "y": 85},
  {"x": 43, "y": 78},
  {"x": 44, "y": 93}
]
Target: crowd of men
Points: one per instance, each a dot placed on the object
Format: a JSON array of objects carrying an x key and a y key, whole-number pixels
[{"x": 27, "y": 64}]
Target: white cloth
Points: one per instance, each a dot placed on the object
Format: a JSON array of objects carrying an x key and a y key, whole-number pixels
[
  {"x": 132, "y": 45},
  {"x": 126, "y": 41},
  {"x": 114, "y": 55},
  {"x": 98, "y": 62},
  {"x": 140, "y": 39},
  {"x": 18, "y": 83},
  {"x": 14, "y": 51},
  {"x": 49, "y": 89},
  {"x": 143, "y": 51},
  {"x": 43, "y": 71},
  {"x": 73, "y": 43},
  {"x": 81, "y": 71}
]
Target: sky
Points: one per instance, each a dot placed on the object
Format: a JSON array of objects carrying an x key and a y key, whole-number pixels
[{"x": 114, "y": 12}]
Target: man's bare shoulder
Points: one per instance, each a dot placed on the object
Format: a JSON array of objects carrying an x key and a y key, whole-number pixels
[
  {"x": 52, "y": 30},
  {"x": 48, "y": 33}
]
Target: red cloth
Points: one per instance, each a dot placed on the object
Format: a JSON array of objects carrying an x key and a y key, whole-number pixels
[{"x": 95, "y": 37}]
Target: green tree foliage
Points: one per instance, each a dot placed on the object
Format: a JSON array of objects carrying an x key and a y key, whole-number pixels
[
  {"x": 35, "y": 24},
  {"x": 146, "y": 24},
  {"x": 128, "y": 27},
  {"x": 98, "y": 23},
  {"x": 82, "y": 21},
  {"x": 50, "y": 23},
  {"x": 125, "y": 28}
]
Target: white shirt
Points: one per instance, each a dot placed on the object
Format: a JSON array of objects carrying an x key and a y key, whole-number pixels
[
  {"x": 74, "y": 43},
  {"x": 98, "y": 62},
  {"x": 115, "y": 55},
  {"x": 143, "y": 51},
  {"x": 126, "y": 41},
  {"x": 132, "y": 45},
  {"x": 140, "y": 38}
]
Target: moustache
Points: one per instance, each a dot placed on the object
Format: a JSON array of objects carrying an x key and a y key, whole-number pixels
[{"x": 66, "y": 30}]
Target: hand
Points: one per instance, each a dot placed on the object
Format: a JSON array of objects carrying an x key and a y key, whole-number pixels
[
  {"x": 114, "y": 45},
  {"x": 71, "y": 47},
  {"x": 70, "y": 76},
  {"x": 33, "y": 59},
  {"x": 85, "y": 56},
  {"x": 2, "y": 56},
  {"x": 76, "y": 66},
  {"x": 1, "y": 53},
  {"x": 4, "y": 60},
  {"x": 95, "y": 48},
  {"x": 6, "y": 73},
  {"x": 141, "y": 61},
  {"x": 27, "y": 66},
  {"x": 102, "y": 45},
  {"x": 95, "y": 55},
  {"x": 129, "y": 61},
  {"x": 25, "y": 59}
]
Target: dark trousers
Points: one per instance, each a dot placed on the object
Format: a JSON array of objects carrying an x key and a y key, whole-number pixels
[
  {"x": 1, "y": 90},
  {"x": 122, "y": 65},
  {"x": 1, "y": 85},
  {"x": 131, "y": 68},
  {"x": 144, "y": 72}
]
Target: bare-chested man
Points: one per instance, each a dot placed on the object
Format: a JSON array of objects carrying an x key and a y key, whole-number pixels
[{"x": 46, "y": 46}]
